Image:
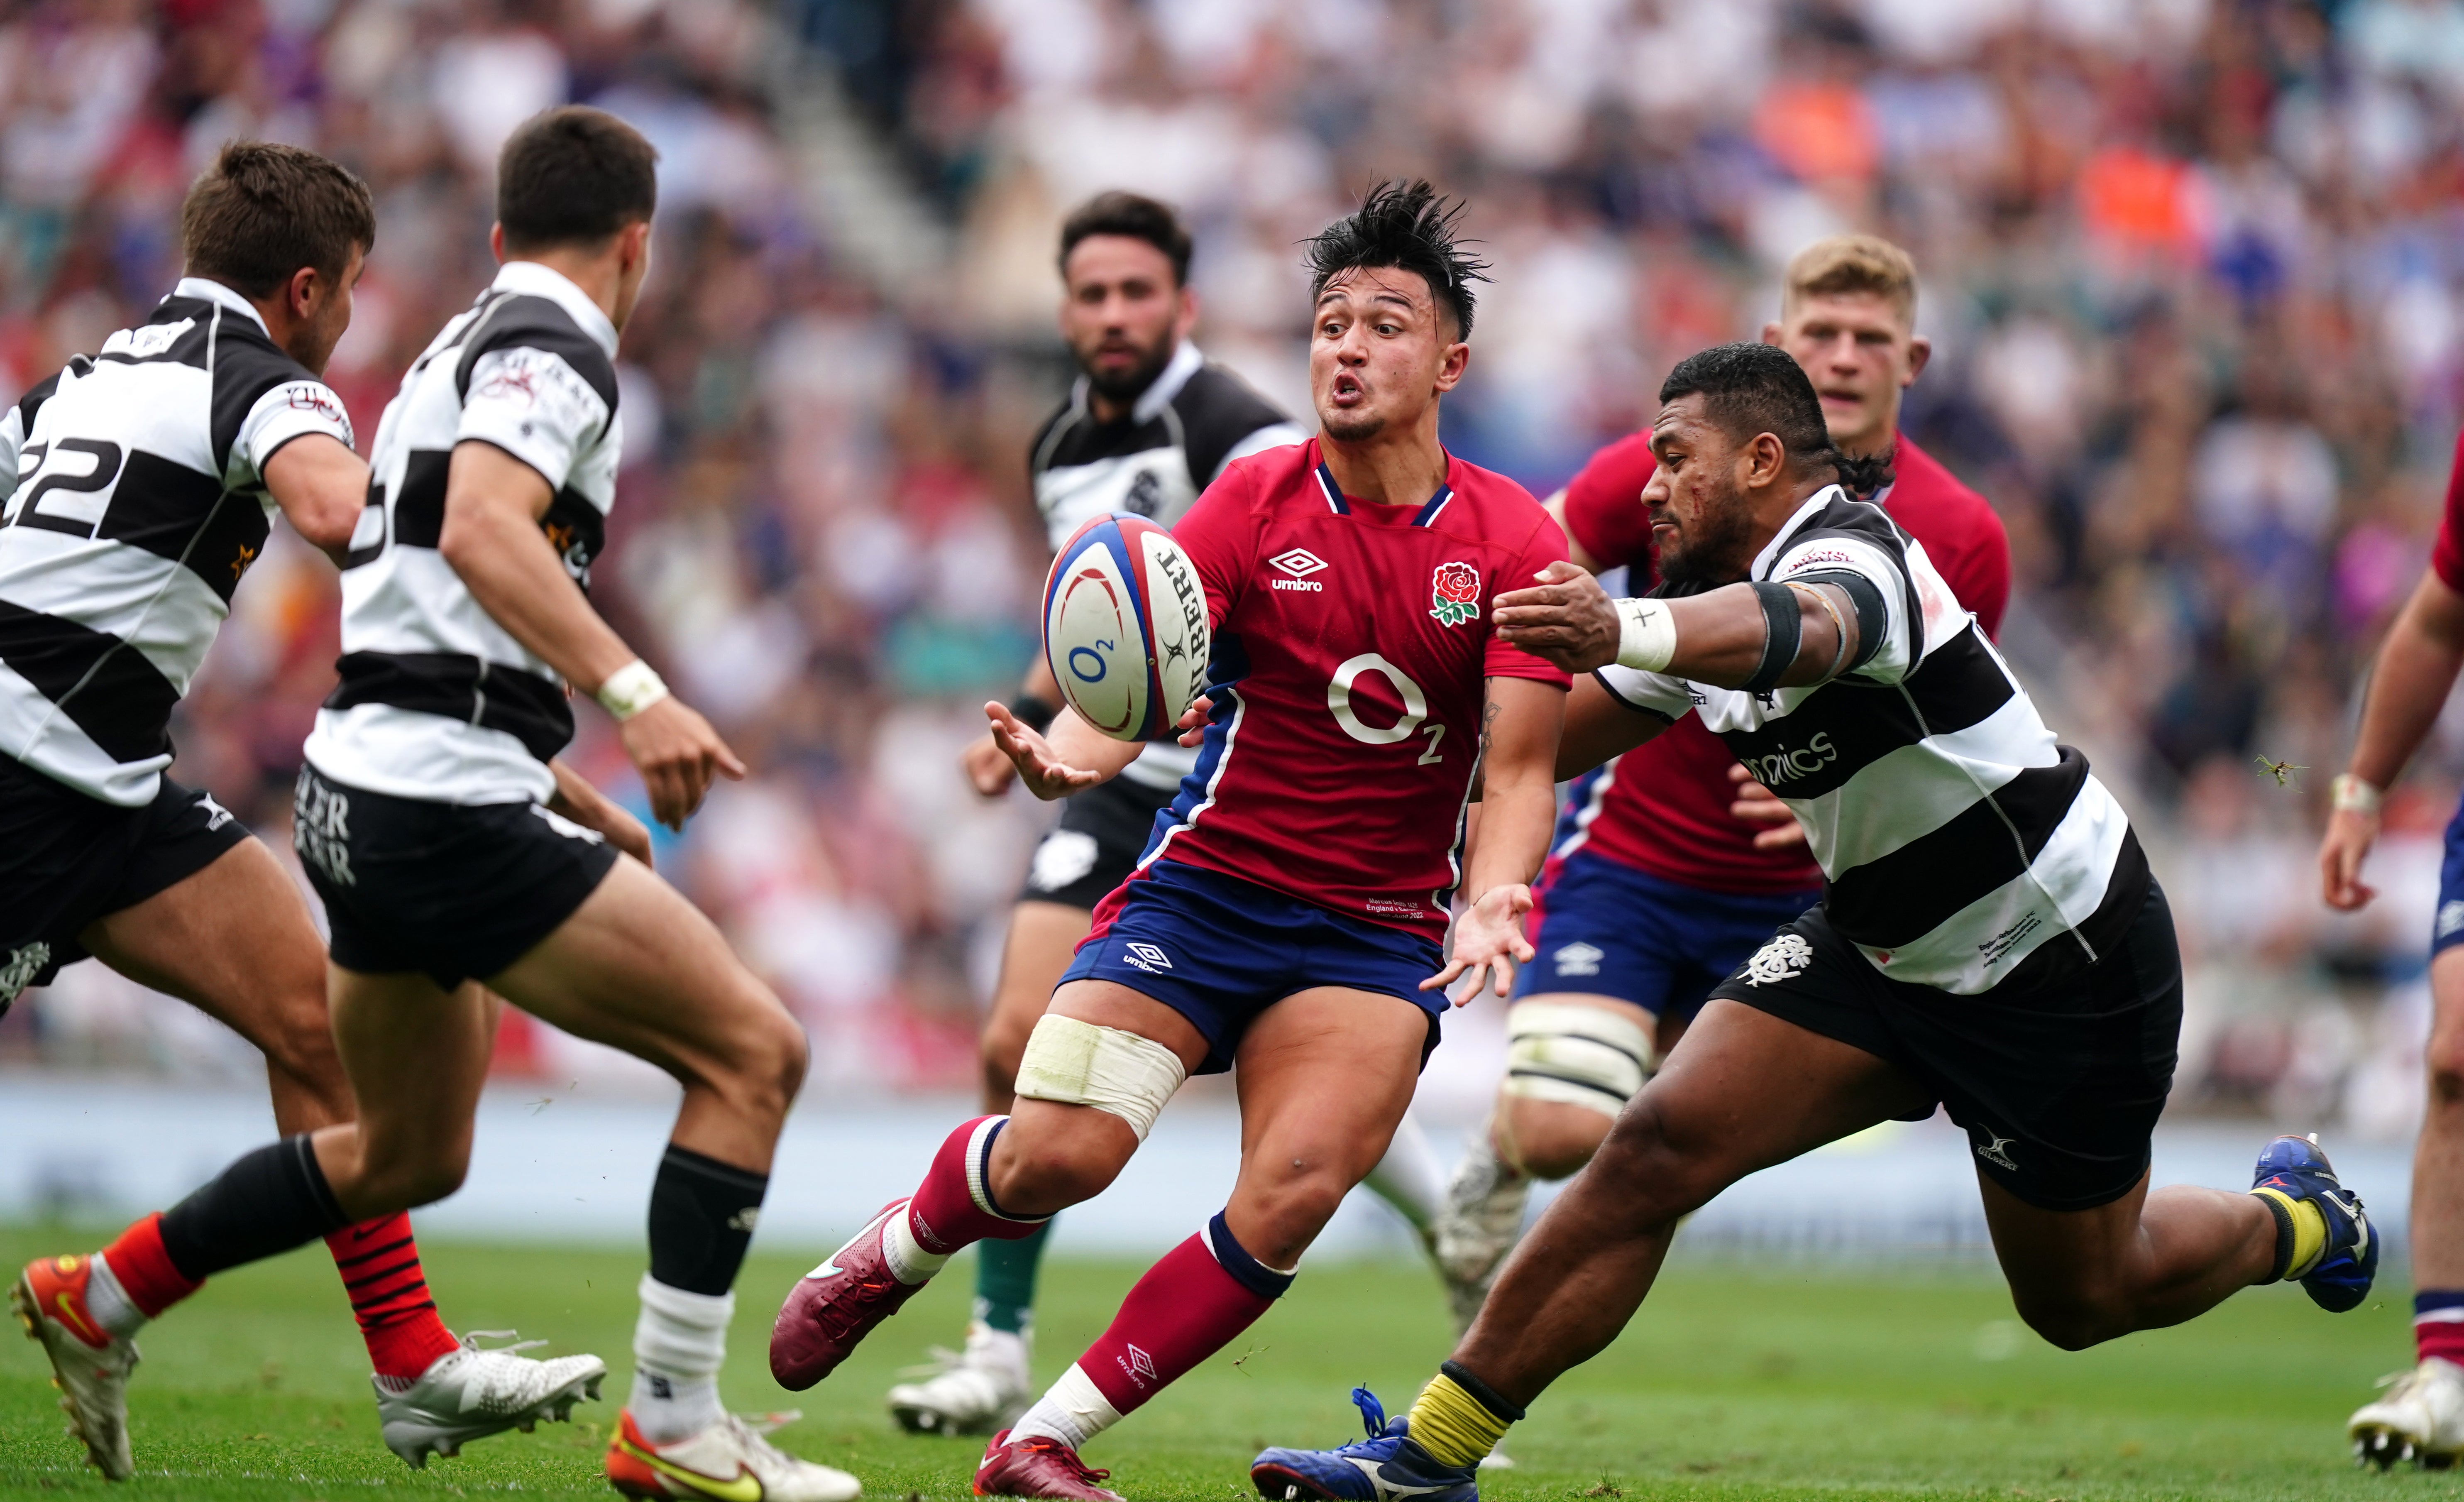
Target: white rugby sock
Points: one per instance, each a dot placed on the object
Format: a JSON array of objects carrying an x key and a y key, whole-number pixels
[
  {"x": 108, "y": 1302},
  {"x": 678, "y": 1344},
  {"x": 1073, "y": 1412},
  {"x": 1407, "y": 1177}
]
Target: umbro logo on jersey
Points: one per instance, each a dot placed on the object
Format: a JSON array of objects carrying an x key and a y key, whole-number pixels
[
  {"x": 1145, "y": 957},
  {"x": 1299, "y": 564}
]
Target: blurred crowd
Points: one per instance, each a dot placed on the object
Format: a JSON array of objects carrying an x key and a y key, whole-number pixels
[{"x": 2190, "y": 270}]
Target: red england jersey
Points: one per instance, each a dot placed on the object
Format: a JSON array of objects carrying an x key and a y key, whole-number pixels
[
  {"x": 1664, "y": 808},
  {"x": 1351, "y": 642}
]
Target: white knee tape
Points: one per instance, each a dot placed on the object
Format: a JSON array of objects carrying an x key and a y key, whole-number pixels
[
  {"x": 1080, "y": 1063},
  {"x": 1576, "y": 1056}
]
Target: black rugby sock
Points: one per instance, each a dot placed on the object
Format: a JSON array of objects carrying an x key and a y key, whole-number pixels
[
  {"x": 702, "y": 1214},
  {"x": 269, "y": 1201}
]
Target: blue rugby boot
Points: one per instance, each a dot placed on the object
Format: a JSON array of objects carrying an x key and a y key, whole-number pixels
[
  {"x": 1386, "y": 1466},
  {"x": 2292, "y": 1170}
]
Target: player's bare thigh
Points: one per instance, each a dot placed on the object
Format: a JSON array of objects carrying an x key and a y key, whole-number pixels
[
  {"x": 417, "y": 1055},
  {"x": 639, "y": 969},
  {"x": 236, "y": 942},
  {"x": 1053, "y": 1155},
  {"x": 1041, "y": 938},
  {"x": 2438, "y": 1158},
  {"x": 1323, "y": 1075},
  {"x": 1552, "y": 1139}
]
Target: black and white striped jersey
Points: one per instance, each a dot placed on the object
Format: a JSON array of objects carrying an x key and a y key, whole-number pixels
[
  {"x": 135, "y": 501},
  {"x": 1196, "y": 418},
  {"x": 1961, "y": 844},
  {"x": 437, "y": 702}
]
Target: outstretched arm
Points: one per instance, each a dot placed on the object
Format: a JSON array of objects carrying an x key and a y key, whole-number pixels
[
  {"x": 1597, "y": 727},
  {"x": 2416, "y": 668},
  {"x": 1519, "y": 729},
  {"x": 1719, "y": 635}
]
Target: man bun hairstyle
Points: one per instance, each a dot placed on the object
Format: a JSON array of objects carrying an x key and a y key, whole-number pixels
[
  {"x": 263, "y": 211},
  {"x": 1408, "y": 227},
  {"x": 1844, "y": 265},
  {"x": 573, "y": 175},
  {"x": 1751, "y": 389},
  {"x": 1132, "y": 217}
]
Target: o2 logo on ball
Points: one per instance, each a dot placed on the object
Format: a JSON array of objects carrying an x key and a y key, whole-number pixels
[
  {"x": 1454, "y": 593},
  {"x": 1125, "y": 626}
]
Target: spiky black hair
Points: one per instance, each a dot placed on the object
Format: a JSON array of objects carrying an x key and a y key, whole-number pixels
[
  {"x": 1408, "y": 227},
  {"x": 1751, "y": 389}
]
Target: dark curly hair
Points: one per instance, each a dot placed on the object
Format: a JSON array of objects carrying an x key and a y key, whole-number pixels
[
  {"x": 1408, "y": 227},
  {"x": 1751, "y": 388}
]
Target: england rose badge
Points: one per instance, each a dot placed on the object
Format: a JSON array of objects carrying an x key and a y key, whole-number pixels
[{"x": 1454, "y": 593}]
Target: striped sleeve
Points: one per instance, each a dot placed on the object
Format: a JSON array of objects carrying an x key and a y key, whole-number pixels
[
  {"x": 1866, "y": 570},
  {"x": 1650, "y": 693}
]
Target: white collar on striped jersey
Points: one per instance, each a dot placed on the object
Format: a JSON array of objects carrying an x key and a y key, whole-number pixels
[
  {"x": 538, "y": 279},
  {"x": 1813, "y": 504},
  {"x": 208, "y": 290},
  {"x": 1185, "y": 362}
]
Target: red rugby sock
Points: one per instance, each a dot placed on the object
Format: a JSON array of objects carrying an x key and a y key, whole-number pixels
[
  {"x": 380, "y": 1266},
  {"x": 145, "y": 1271},
  {"x": 948, "y": 1211},
  {"x": 1188, "y": 1307}
]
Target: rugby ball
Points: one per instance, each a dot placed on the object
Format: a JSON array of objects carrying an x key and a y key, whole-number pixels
[{"x": 1125, "y": 626}]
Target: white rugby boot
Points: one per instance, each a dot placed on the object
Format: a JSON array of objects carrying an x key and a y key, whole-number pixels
[
  {"x": 1479, "y": 1224},
  {"x": 471, "y": 1393},
  {"x": 978, "y": 1390},
  {"x": 730, "y": 1460},
  {"x": 2420, "y": 1418},
  {"x": 90, "y": 1365}
]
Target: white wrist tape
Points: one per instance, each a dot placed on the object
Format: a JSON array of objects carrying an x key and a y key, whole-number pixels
[
  {"x": 1080, "y": 1063},
  {"x": 631, "y": 689},
  {"x": 1646, "y": 636},
  {"x": 2349, "y": 794}
]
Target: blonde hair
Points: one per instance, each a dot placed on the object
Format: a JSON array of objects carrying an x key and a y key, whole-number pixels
[{"x": 1847, "y": 264}]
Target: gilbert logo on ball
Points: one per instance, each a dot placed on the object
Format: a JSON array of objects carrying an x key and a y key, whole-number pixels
[
  {"x": 1125, "y": 626},
  {"x": 1454, "y": 593}
]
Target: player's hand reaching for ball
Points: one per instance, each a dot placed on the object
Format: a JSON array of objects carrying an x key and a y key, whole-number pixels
[
  {"x": 677, "y": 754},
  {"x": 1038, "y": 766},
  {"x": 1566, "y": 619},
  {"x": 1489, "y": 943},
  {"x": 1756, "y": 804},
  {"x": 987, "y": 768}
]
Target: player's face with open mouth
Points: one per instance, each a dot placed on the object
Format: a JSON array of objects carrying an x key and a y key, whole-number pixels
[
  {"x": 1858, "y": 353},
  {"x": 1123, "y": 314},
  {"x": 1380, "y": 353},
  {"x": 1699, "y": 521}
]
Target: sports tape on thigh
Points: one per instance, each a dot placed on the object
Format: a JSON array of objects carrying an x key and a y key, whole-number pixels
[
  {"x": 1577, "y": 1055},
  {"x": 1080, "y": 1063}
]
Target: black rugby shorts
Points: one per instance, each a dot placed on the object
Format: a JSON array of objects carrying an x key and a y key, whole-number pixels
[
  {"x": 67, "y": 860},
  {"x": 2058, "y": 1086},
  {"x": 454, "y": 890},
  {"x": 1097, "y": 844}
]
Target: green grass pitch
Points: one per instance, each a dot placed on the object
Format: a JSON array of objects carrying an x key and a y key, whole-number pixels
[{"x": 1730, "y": 1386}]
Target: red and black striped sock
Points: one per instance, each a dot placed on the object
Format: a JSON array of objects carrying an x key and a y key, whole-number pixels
[{"x": 380, "y": 1266}]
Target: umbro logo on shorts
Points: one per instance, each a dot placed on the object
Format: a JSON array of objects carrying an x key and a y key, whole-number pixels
[
  {"x": 1145, "y": 957},
  {"x": 1299, "y": 564},
  {"x": 1580, "y": 959}
]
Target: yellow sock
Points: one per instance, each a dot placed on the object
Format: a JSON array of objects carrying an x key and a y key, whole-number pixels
[
  {"x": 1452, "y": 1425},
  {"x": 2309, "y": 1230}
]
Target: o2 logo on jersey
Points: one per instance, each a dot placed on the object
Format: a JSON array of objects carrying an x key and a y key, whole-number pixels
[
  {"x": 1454, "y": 593},
  {"x": 1416, "y": 707}
]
